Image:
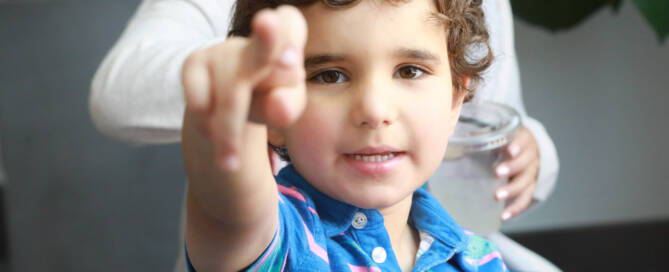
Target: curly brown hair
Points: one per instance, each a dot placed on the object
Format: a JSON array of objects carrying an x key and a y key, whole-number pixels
[
  {"x": 463, "y": 21},
  {"x": 469, "y": 51}
]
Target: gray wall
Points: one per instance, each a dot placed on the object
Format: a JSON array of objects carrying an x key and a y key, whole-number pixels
[
  {"x": 77, "y": 201},
  {"x": 602, "y": 90}
]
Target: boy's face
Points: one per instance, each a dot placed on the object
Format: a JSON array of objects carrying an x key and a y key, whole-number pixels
[{"x": 380, "y": 102}]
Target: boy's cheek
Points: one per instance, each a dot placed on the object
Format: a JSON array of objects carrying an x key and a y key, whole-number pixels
[
  {"x": 432, "y": 125},
  {"x": 312, "y": 127}
]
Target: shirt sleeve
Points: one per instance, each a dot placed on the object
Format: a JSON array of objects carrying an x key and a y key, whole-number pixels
[
  {"x": 297, "y": 235},
  {"x": 481, "y": 255},
  {"x": 299, "y": 238},
  {"x": 276, "y": 255},
  {"x": 501, "y": 83},
  {"x": 272, "y": 259},
  {"x": 136, "y": 94}
]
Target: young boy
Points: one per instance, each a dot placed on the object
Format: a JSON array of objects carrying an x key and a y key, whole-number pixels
[{"x": 364, "y": 122}]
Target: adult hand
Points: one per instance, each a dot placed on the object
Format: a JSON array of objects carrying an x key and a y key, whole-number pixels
[
  {"x": 258, "y": 79},
  {"x": 522, "y": 168}
]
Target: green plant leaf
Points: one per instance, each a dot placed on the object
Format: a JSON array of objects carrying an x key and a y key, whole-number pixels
[
  {"x": 558, "y": 15},
  {"x": 656, "y": 13}
]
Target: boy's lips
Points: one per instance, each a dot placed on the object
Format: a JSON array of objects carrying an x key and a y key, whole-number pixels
[
  {"x": 375, "y": 150},
  {"x": 375, "y": 160}
]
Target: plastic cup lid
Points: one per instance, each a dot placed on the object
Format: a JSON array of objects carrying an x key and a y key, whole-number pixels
[{"x": 482, "y": 126}]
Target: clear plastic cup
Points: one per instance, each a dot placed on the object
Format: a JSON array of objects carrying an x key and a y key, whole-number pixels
[{"x": 465, "y": 182}]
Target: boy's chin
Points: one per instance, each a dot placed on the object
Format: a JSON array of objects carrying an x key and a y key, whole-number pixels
[{"x": 378, "y": 199}]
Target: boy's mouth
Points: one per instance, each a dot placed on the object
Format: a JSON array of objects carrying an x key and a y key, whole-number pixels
[
  {"x": 375, "y": 154},
  {"x": 375, "y": 161},
  {"x": 374, "y": 157}
]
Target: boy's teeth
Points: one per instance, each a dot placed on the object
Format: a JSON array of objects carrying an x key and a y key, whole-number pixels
[{"x": 373, "y": 158}]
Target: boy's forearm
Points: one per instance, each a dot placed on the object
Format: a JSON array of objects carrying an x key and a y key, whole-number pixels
[
  {"x": 215, "y": 246},
  {"x": 236, "y": 199},
  {"x": 231, "y": 217}
]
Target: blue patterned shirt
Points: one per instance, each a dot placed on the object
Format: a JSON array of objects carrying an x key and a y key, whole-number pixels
[{"x": 318, "y": 233}]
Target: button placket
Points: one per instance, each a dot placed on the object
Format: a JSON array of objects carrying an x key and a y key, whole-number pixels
[
  {"x": 379, "y": 255},
  {"x": 359, "y": 220}
]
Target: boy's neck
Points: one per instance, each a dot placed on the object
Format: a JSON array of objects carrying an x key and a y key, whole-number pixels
[{"x": 403, "y": 237}]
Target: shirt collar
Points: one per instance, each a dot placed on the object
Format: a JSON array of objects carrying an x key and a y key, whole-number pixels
[
  {"x": 427, "y": 215},
  {"x": 336, "y": 216}
]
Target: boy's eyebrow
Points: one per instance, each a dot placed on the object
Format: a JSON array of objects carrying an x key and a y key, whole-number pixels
[
  {"x": 412, "y": 53},
  {"x": 321, "y": 59}
]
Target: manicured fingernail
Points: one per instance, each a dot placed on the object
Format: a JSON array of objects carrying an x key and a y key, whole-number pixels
[
  {"x": 289, "y": 57},
  {"x": 502, "y": 170},
  {"x": 506, "y": 215},
  {"x": 502, "y": 194},
  {"x": 514, "y": 150},
  {"x": 229, "y": 163}
]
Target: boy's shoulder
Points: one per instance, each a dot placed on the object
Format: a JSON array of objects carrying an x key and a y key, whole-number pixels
[
  {"x": 483, "y": 254},
  {"x": 473, "y": 252}
]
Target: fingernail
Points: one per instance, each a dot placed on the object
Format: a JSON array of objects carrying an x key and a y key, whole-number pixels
[
  {"x": 229, "y": 163},
  {"x": 514, "y": 150},
  {"x": 502, "y": 194},
  {"x": 289, "y": 57},
  {"x": 502, "y": 170},
  {"x": 506, "y": 215}
]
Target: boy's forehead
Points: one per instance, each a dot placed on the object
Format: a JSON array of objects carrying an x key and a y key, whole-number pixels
[
  {"x": 375, "y": 26},
  {"x": 421, "y": 11}
]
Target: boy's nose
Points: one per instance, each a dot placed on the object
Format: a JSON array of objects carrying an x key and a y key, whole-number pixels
[{"x": 374, "y": 106}]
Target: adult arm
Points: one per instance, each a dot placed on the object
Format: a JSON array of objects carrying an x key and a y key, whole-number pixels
[
  {"x": 136, "y": 93},
  {"x": 502, "y": 84}
]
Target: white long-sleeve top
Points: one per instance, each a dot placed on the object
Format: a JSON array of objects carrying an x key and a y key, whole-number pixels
[
  {"x": 137, "y": 95},
  {"x": 501, "y": 83}
]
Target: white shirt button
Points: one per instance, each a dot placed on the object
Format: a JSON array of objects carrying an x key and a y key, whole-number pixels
[
  {"x": 359, "y": 220},
  {"x": 379, "y": 255}
]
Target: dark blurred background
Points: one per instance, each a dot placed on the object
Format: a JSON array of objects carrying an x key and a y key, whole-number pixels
[{"x": 74, "y": 200}]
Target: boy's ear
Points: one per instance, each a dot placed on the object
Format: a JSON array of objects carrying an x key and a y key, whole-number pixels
[
  {"x": 274, "y": 137},
  {"x": 456, "y": 107},
  {"x": 455, "y": 114}
]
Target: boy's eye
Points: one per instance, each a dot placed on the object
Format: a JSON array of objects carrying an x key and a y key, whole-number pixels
[
  {"x": 329, "y": 77},
  {"x": 409, "y": 72}
]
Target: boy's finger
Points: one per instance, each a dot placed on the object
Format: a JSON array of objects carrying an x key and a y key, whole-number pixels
[
  {"x": 279, "y": 98},
  {"x": 263, "y": 47},
  {"x": 278, "y": 107},
  {"x": 283, "y": 76},
  {"x": 285, "y": 105},
  {"x": 293, "y": 32},
  {"x": 237, "y": 69},
  {"x": 231, "y": 95},
  {"x": 196, "y": 83},
  {"x": 288, "y": 68},
  {"x": 518, "y": 184},
  {"x": 227, "y": 124}
]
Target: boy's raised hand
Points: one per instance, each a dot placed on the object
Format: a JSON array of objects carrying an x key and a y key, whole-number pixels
[{"x": 258, "y": 79}]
